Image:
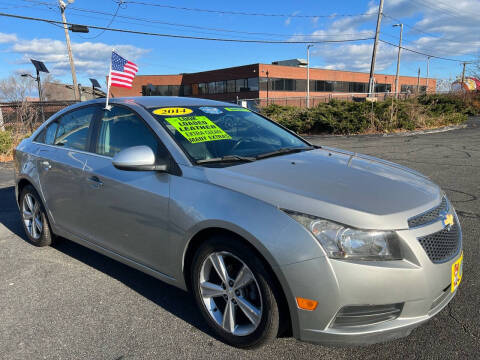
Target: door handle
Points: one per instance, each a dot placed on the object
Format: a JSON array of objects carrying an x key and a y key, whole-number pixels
[
  {"x": 95, "y": 181},
  {"x": 46, "y": 165}
]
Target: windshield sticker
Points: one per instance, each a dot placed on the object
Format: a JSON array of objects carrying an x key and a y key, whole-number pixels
[
  {"x": 211, "y": 110},
  {"x": 172, "y": 111},
  {"x": 197, "y": 129},
  {"x": 237, "y": 109}
]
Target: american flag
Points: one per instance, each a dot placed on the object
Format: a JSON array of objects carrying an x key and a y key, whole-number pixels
[{"x": 122, "y": 72}]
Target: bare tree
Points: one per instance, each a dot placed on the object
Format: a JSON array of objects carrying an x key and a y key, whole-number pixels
[
  {"x": 16, "y": 90},
  {"x": 474, "y": 68}
]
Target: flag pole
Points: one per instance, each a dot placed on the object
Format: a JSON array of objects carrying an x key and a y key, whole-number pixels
[{"x": 109, "y": 83}]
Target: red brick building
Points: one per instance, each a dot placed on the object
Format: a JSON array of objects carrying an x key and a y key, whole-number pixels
[{"x": 268, "y": 80}]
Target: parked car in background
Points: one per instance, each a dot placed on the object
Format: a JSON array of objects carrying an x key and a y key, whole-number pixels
[{"x": 269, "y": 233}]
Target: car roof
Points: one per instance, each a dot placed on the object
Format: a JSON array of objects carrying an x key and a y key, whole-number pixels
[{"x": 157, "y": 101}]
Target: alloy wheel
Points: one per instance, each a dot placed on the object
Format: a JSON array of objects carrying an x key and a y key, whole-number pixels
[
  {"x": 230, "y": 293},
  {"x": 32, "y": 216}
]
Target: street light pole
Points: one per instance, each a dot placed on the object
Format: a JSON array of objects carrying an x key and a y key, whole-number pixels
[
  {"x": 428, "y": 67},
  {"x": 40, "y": 95},
  {"x": 398, "y": 59},
  {"x": 418, "y": 82},
  {"x": 63, "y": 6},
  {"x": 308, "y": 75}
]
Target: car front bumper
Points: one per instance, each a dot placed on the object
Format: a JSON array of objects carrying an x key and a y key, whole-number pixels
[{"x": 422, "y": 287}]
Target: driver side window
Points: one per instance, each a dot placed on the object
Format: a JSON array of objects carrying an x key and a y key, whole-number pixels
[{"x": 121, "y": 128}]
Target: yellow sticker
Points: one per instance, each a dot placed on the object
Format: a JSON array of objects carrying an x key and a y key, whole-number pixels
[
  {"x": 197, "y": 129},
  {"x": 457, "y": 273},
  {"x": 172, "y": 111}
]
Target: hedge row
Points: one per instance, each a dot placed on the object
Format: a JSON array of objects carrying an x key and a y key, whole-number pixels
[{"x": 344, "y": 117}]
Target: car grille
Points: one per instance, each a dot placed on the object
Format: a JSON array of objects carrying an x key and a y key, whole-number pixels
[
  {"x": 442, "y": 245},
  {"x": 429, "y": 216}
]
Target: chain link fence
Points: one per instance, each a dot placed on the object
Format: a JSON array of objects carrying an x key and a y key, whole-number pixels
[
  {"x": 301, "y": 101},
  {"x": 28, "y": 115}
]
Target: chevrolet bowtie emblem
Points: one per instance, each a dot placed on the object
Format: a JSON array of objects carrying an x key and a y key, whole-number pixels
[{"x": 448, "y": 220}]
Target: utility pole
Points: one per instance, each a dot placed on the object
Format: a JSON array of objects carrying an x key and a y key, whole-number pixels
[
  {"x": 308, "y": 75},
  {"x": 398, "y": 59},
  {"x": 463, "y": 72},
  {"x": 418, "y": 82},
  {"x": 374, "y": 54},
  {"x": 428, "y": 67},
  {"x": 63, "y": 6}
]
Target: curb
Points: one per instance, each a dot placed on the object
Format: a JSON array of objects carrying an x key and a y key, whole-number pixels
[{"x": 471, "y": 122}]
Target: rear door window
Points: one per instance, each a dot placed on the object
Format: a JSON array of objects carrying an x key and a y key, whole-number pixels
[{"x": 74, "y": 128}]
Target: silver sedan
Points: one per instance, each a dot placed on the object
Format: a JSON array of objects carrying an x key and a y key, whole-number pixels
[{"x": 269, "y": 233}]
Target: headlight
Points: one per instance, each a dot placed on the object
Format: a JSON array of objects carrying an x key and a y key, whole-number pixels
[{"x": 343, "y": 242}]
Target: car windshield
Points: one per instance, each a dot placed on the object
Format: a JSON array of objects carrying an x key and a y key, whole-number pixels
[{"x": 224, "y": 135}]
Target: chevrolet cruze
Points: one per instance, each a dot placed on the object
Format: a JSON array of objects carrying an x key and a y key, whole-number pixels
[{"x": 269, "y": 233}]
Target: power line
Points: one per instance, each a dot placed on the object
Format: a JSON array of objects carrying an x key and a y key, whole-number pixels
[
  {"x": 186, "y": 36},
  {"x": 422, "y": 53},
  {"x": 445, "y": 9},
  {"x": 150, "y": 21},
  {"x": 213, "y": 28},
  {"x": 119, "y": 5},
  {"x": 241, "y": 12},
  {"x": 424, "y": 32}
]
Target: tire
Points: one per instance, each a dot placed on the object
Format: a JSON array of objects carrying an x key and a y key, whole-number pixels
[
  {"x": 251, "y": 329},
  {"x": 32, "y": 210}
]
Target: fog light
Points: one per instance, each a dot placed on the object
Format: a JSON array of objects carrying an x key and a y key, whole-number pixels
[{"x": 361, "y": 315}]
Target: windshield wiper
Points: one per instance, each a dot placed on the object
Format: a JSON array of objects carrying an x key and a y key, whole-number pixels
[
  {"x": 283, "y": 151},
  {"x": 227, "y": 158}
]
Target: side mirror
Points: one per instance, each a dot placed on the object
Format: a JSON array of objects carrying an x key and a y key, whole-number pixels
[{"x": 138, "y": 158}]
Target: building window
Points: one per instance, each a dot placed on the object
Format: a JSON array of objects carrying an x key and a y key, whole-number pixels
[
  {"x": 219, "y": 87},
  {"x": 412, "y": 88},
  {"x": 201, "y": 89},
  {"x": 341, "y": 86},
  {"x": 252, "y": 84},
  {"x": 166, "y": 90},
  {"x": 211, "y": 88},
  {"x": 185, "y": 90},
  {"x": 241, "y": 85},
  {"x": 301, "y": 85},
  {"x": 230, "y": 86}
]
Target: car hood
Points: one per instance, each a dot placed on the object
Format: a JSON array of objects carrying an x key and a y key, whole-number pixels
[{"x": 357, "y": 190}]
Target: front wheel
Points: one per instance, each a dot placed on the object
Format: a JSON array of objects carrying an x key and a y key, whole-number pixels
[{"x": 235, "y": 293}]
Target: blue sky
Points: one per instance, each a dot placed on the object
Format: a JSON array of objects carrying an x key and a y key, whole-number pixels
[{"x": 437, "y": 27}]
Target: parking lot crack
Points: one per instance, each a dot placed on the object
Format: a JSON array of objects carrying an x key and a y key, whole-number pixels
[{"x": 464, "y": 327}]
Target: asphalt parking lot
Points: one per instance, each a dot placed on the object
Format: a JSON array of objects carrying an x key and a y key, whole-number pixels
[{"x": 68, "y": 302}]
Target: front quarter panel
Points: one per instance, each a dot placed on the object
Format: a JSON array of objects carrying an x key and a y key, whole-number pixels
[{"x": 197, "y": 205}]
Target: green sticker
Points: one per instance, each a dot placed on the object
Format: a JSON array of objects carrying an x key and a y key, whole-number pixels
[
  {"x": 237, "y": 109},
  {"x": 197, "y": 129}
]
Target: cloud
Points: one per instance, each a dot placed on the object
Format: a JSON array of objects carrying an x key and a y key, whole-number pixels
[
  {"x": 92, "y": 59},
  {"x": 438, "y": 29},
  {"x": 7, "y": 38},
  {"x": 289, "y": 19}
]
